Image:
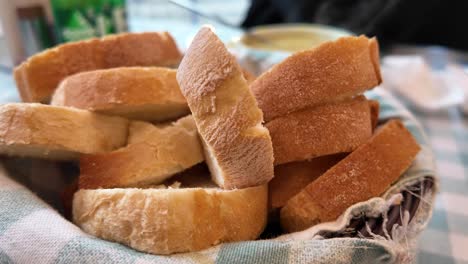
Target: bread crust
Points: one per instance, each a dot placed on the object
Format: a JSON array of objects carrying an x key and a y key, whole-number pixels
[
  {"x": 142, "y": 93},
  {"x": 375, "y": 112},
  {"x": 154, "y": 154},
  {"x": 249, "y": 77},
  {"x": 365, "y": 173},
  {"x": 238, "y": 148},
  {"x": 328, "y": 129},
  {"x": 37, "y": 77},
  {"x": 334, "y": 70},
  {"x": 58, "y": 133},
  {"x": 291, "y": 178},
  {"x": 165, "y": 221}
]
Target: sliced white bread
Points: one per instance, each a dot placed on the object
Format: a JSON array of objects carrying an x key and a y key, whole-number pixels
[
  {"x": 291, "y": 178},
  {"x": 334, "y": 70},
  {"x": 141, "y": 93},
  {"x": 37, "y": 77},
  {"x": 154, "y": 154},
  {"x": 365, "y": 173},
  {"x": 57, "y": 133},
  {"x": 323, "y": 130},
  {"x": 165, "y": 220},
  {"x": 238, "y": 148}
]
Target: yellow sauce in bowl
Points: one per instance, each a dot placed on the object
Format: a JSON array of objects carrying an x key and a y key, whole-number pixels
[{"x": 290, "y": 37}]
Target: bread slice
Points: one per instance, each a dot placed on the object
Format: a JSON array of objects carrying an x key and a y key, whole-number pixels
[
  {"x": 331, "y": 71},
  {"x": 363, "y": 174},
  {"x": 153, "y": 155},
  {"x": 291, "y": 178},
  {"x": 167, "y": 220},
  {"x": 249, "y": 77},
  {"x": 38, "y": 77},
  {"x": 238, "y": 148},
  {"x": 375, "y": 112},
  {"x": 319, "y": 131},
  {"x": 57, "y": 133},
  {"x": 142, "y": 93}
]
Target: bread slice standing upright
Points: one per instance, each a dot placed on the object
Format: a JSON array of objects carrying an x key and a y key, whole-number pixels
[
  {"x": 141, "y": 93},
  {"x": 332, "y": 71},
  {"x": 238, "y": 148},
  {"x": 323, "y": 130},
  {"x": 365, "y": 173},
  {"x": 39, "y": 76},
  {"x": 291, "y": 178}
]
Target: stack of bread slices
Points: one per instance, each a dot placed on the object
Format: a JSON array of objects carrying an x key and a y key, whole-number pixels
[
  {"x": 316, "y": 114},
  {"x": 178, "y": 160}
]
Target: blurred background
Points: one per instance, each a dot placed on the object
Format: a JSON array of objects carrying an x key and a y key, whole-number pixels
[
  {"x": 424, "y": 60},
  {"x": 33, "y": 25}
]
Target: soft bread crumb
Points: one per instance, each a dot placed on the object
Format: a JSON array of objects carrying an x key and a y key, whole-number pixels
[
  {"x": 57, "y": 133},
  {"x": 237, "y": 150},
  {"x": 172, "y": 220},
  {"x": 153, "y": 155}
]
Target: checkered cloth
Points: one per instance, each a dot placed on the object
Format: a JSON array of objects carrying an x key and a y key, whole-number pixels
[{"x": 445, "y": 240}]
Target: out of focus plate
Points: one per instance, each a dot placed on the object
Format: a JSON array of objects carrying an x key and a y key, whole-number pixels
[{"x": 289, "y": 37}]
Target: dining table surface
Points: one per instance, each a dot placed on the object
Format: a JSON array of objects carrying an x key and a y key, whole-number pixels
[{"x": 445, "y": 239}]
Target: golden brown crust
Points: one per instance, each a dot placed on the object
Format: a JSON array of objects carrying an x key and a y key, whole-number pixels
[
  {"x": 363, "y": 174},
  {"x": 249, "y": 77},
  {"x": 150, "y": 158},
  {"x": 49, "y": 132},
  {"x": 323, "y": 130},
  {"x": 165, "y": 221},
  {"x": 142, "y": 93},
  {"x": 291, "y": 178},
  {"x": 38, "y": 77},
  {"x": 374, "y": 111},
  {"x": 238, "y": 148},
  {"x": 334, "y": 70}
]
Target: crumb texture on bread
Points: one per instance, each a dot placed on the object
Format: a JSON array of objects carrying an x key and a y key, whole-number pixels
[
  {"x": 38, "y": 77},
  {"x": 238, "y": 148},
  {"x": 337, "y": 69},
  {"x": 142, "y": 93},
  {"x": 365, "y": 173},
  {"x": 154, "y": 153},
  {"x": 58, "y": 133},
  {"x": 323, "y": 130},
  {"x": 168, "y": 220}
]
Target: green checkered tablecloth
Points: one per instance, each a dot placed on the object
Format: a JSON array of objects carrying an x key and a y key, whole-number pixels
[{"x": 445, "y": 239}]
